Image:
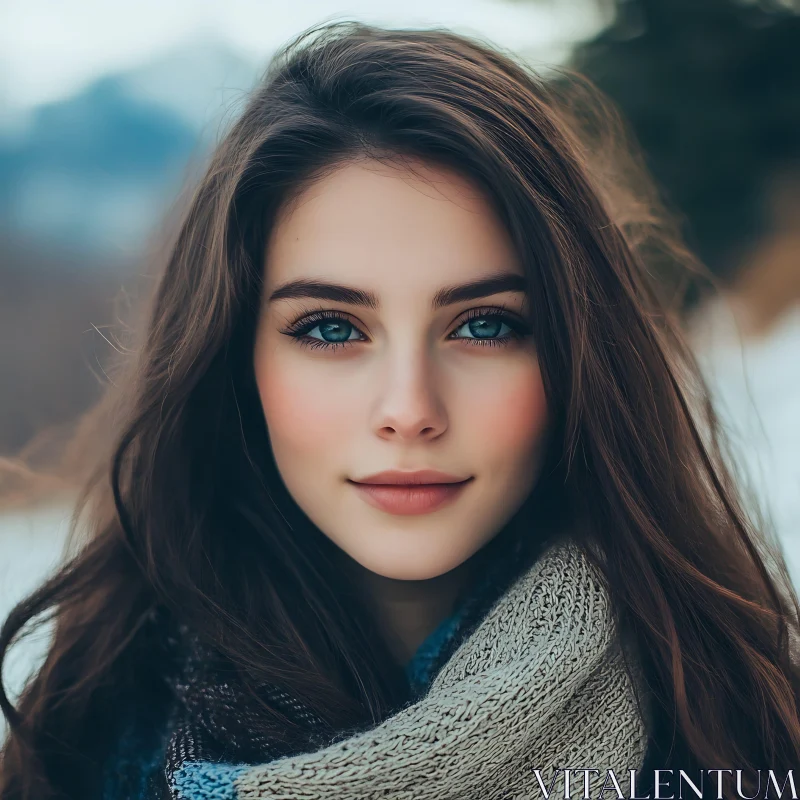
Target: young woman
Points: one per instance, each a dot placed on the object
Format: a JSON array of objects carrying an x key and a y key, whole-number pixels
[{"x": 402, "y": 266}]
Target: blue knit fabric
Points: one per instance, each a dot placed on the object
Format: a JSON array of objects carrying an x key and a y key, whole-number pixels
[
  {"x": 204, "y": 779},
  {"x": 139, "y": 756},
  {"x": 423, "y": 661}
]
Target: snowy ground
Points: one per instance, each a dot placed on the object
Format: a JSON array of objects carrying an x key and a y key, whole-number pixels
[
  {"x": 757, "y": 387},
  {"x": 30, "y": 548}
]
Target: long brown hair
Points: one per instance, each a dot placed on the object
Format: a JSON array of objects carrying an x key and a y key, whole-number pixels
[{"x": 188, "y": 515}]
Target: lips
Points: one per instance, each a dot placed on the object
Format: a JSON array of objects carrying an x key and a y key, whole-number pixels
[
  {"x": 410, "y": 493},
  {"x": 416, "y": 477}
]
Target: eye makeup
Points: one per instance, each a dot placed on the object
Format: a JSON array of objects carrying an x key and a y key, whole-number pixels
[{"x": 300, "y": 329}]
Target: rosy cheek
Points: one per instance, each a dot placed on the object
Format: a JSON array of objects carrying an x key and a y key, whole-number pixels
[
  {"x": 513, "y": 415},
  {"x": 300, "y": 413}
]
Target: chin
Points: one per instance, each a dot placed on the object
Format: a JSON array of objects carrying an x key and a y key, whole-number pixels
[
  {"x": 413, "y": 566},
  {"x": 407, "y": 574}
]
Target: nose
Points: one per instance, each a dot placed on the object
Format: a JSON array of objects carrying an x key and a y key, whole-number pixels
[{"x": 409, "y": 405}]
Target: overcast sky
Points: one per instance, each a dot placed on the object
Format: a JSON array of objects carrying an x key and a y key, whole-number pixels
[{"x": 51, "y": 48}]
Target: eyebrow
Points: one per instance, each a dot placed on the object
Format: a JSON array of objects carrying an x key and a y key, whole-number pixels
[{"x": 446, "y": 296}]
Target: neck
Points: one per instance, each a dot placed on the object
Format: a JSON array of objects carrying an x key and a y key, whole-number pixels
[{"x": 408, "y": 611}]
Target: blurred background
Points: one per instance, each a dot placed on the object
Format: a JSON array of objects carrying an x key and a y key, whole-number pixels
[{"x": 109, "y": 108}]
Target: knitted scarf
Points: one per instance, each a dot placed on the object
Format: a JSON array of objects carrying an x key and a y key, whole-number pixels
[{"x": 538, "y": 686}]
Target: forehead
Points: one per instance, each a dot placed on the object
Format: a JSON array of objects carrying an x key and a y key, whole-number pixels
[{"x": 389, "y": 228}]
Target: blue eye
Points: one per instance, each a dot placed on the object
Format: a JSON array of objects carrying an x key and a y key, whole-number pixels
[
  {"x": 485, "y": 325},
  {"x": 485, "y": 328},
  {"x": 334, "y": 330}
]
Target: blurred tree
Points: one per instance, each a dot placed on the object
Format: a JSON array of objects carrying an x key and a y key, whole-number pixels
[{"x": 711, "y": 90}]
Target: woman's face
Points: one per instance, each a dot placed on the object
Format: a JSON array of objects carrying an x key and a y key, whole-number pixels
[{"x": 399, "y": 373}]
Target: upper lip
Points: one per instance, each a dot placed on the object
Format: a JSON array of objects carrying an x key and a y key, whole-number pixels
[{"x": 421, "y": 476}]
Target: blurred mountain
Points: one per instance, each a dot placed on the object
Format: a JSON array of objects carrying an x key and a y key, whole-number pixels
[
  {"x": 97, "y": 170},
  {"x": 84, "y": 185}
]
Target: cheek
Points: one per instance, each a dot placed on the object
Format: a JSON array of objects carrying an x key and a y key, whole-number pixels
[
  {"x": 513, "y": 415},
  {"x": 302, "y": 417}
]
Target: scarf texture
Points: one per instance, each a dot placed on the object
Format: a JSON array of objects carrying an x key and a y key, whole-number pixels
[{"x": 539, "y": 684}]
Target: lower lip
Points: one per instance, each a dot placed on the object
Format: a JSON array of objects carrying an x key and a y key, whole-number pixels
[{"x": 410, "y": 499}]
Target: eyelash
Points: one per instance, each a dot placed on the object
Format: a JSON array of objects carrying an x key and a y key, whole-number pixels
[{"x": 299, "y": 329}]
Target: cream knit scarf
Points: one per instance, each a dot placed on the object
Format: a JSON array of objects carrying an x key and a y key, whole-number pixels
[{"x": 538, "y": 686}]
